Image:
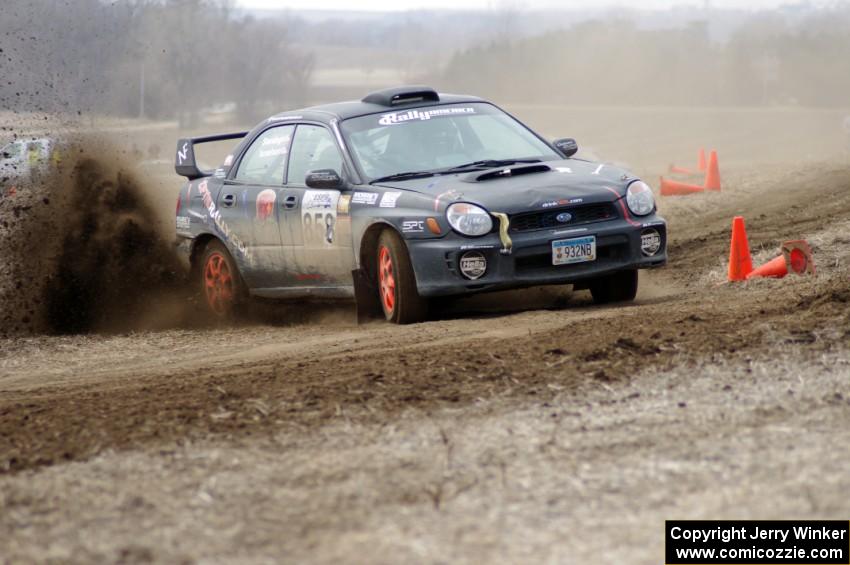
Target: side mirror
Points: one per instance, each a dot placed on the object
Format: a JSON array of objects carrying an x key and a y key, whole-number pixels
[
  {"x": 567, "y": 146},
  {"x": 324, "y": 179}
]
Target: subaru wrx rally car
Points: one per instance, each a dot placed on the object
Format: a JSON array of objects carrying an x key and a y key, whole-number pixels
[{"x": 403, "y": 196}]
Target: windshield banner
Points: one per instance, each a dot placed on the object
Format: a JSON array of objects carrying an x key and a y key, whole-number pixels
[{"x": 422, "y": 115}]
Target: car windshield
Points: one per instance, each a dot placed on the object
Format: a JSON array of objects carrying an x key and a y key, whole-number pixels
[{"x": 437, "y": 138}]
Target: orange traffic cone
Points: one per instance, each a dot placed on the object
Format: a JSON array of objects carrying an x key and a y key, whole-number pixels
[
  {"x": 700, "y": 166},
  {"x": 675, "y": 188},
  {"x": 775, "y": 268},
  {"x": 740, "y": 261},
  {"x": 796, "y": 258},
  {"x": 680, "y": 170},
  {"x": 798, "y": 255},
  {"x": 712, "y": 177}
]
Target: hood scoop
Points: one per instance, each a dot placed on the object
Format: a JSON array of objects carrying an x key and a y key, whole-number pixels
[{"x": 507, "y": 172}]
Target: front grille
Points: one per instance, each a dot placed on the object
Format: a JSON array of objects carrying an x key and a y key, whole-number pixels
[{"x": 547, "y": 219}]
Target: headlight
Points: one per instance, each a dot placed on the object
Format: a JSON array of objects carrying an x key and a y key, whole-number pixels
[
  {"x": 639, "y": 198},
  {"x": 469, "y": 219}
]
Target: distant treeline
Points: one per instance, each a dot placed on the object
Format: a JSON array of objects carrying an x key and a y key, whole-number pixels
[
  {"x": 165, "y": 58},
  {"x": 178, "y": 59},
  {"x": 765, "y": 62}
]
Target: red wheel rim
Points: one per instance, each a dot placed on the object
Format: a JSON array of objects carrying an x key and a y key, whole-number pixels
[
  {"x": 386, "y": 280},
  {"x": 218, "y": 284}
]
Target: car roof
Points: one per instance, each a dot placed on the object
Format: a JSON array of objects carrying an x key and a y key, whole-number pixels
[{"x": 389, "y": 100}]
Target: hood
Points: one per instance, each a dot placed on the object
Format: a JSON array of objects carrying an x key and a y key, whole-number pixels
[{"x": 568, "y": 182}]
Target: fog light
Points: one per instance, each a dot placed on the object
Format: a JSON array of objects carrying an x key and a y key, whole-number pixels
[
  {"x": 473, "y": 265},
  {"x": 650, "y": 242}
]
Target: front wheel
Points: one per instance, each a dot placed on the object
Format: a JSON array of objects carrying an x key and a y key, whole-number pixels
[
  {"x": 220, "y": 283},
  {"x": 618, "y": 287},
  {"x": 397, "y": 291}
]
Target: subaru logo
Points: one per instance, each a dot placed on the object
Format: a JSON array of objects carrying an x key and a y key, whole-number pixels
[{"x": 564, "y": 217}]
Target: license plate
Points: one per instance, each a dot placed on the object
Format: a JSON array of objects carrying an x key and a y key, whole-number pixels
[{"x": 576, "y": 250}]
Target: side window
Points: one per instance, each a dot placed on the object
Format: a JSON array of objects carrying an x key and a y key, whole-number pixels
[
  {"x": 265, "y": 161},
  {"x": 313, "y": 148}
]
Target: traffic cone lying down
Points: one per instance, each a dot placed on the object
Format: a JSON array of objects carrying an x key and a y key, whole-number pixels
[
  {"x": 701, "y": 166},
  {"x": 796, "y": 258},
  {"x": 712, "y": 181}
]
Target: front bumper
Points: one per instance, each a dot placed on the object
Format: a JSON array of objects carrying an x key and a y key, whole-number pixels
[{"x": 618, "y": 247}]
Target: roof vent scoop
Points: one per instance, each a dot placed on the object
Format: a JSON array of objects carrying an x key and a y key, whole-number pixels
[{"x": 402, "y": 95}]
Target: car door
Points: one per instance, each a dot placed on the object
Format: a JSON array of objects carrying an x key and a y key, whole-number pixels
[
  {"x": 320, "y": 236},
  {"x": 250, "y": 201}
]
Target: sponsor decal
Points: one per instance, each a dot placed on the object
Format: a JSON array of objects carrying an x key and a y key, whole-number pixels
[
  {"x": 413, "y": 226},
  {"x": 275, "y": 146},
  {"x": 282, "y": 118},
  {"x": 389, "y": 199},
  {"x": 219, "y": 173},
  {"x": 318, "y": 216},
  {"x": 651, "y": 224},
  {"x": 319, "y": 199},
  {"x": 228, "y": 160},
  {"x": 466, "y": 247},
  {"x": 275, "y": 141},
  {"x": 344, "y": 204},
  {"x": 368, "y": 198},
  {"x": 473, "y": 265},
  {"x": 563, "y": 169},
  {"x": 421, "y": 115},
  {"x": 650, "y": 242},
  {"x": 265, "y": 204},
  {"x": 562, "y": 202},
  {"x": 276, "y": 152},
  {"x": 184, "y": 223},
  {"x": 214, "y": 215},
  {"x": 183, "y": 153}
]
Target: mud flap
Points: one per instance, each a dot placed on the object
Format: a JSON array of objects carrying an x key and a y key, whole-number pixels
[{"x": 366, "y": 297}]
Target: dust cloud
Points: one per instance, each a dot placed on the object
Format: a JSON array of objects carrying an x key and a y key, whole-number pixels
[{"x": 84, "y": 250}]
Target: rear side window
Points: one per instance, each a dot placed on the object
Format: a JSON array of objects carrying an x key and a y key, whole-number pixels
[
  {"x": 265, "y": 161},
  {"x": 12, "y": 150}
]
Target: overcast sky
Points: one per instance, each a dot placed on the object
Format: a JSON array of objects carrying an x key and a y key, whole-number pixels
[{"x": 387, "y": 5}]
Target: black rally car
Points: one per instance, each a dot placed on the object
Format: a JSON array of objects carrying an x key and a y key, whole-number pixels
[{"x": 406, "y": 195}]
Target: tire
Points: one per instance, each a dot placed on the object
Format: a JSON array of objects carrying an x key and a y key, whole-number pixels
[
  {"x": 618, "y": 287},
  {"x": 220, "y": 285},
  {"x": 397, "y": 293}
]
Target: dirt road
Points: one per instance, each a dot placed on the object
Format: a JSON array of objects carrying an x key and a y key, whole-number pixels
[{"x": 562, "y": 434}]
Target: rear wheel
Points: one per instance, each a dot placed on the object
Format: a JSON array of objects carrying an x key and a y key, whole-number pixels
[
  {"x": 220, "y": 284},
  {"x": 618, "y": 287},
  {"x": 397, "y": 291}
]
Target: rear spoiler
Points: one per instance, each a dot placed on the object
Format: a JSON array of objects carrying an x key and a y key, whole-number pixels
[{"x": 185, "y": 164}]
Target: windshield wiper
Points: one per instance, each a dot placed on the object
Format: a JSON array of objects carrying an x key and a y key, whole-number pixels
[
  {"x": 486, "y": 164},
  {"x": 405, "y": 175}
]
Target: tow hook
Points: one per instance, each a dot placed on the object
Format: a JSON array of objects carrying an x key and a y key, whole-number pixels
[{"x": 504, "y": 224}]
